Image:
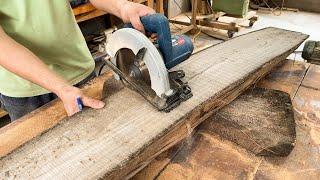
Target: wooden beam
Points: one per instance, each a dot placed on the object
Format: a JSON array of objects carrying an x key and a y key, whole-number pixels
[
  {"x": 194, "y": 5},
  {"x": 118, "y": 140},
  {"x": 21, "y": 131},
  {"x": 150, "y": 3},
  {"x": 215, "y": 24},
  {"x": 159, "y": 8}
]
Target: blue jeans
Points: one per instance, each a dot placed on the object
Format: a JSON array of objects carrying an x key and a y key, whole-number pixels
[
  {"x": 18, "y": 107},
  {"x": 174, "y": 49}
]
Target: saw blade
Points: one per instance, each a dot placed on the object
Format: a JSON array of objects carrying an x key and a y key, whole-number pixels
[
  {"x": 133, "y": 65},
  {"x": 140, "y": 87}
]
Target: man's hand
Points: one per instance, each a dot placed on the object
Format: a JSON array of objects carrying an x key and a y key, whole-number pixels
[
  {"x": 131, "y": 13},
  {"x": 17, "y": 58},
  {"x": 69, "y": 95}
]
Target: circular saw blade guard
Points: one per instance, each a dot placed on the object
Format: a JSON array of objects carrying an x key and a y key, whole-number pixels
[{"x": 134, "y": 40}]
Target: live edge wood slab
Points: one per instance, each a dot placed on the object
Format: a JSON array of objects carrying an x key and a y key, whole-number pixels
[{"x": 119, "y": 140}]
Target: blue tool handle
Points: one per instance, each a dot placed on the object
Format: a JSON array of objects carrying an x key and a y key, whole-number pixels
[{"x": 174, "y": 49}]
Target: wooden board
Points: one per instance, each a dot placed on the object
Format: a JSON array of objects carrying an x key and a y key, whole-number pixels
[{"x": 120, "y": 139}]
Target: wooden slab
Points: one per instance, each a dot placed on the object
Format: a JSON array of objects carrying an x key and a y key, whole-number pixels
[{"x": 120, "y": 139}]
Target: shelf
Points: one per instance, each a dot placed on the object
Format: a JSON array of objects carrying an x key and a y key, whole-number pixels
[
  {"x": 88, "y": 11},
  {"x": 85, "y": 8}
]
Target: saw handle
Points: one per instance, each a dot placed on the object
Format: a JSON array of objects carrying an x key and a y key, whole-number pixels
[{"x": 174, "y": 49}]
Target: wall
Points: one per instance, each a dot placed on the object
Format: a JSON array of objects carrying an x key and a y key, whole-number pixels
[
  {"x": 303, "y": 5},
  {"x": 174, "y": 9}
]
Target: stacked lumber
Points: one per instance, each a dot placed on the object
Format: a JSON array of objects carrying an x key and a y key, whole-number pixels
[{"x": 119, "y": 140}]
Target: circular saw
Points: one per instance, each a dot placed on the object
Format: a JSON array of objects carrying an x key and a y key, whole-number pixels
[{"x": 137, "y": 61}]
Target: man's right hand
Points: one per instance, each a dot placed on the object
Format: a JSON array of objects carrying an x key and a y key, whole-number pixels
[{"x": 69, "y": 95}]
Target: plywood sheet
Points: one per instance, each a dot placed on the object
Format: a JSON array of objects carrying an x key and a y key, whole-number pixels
[{"x": 115, "y": 140}]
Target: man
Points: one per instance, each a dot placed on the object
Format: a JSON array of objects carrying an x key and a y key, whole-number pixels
[{"x": 42, "y": 50}]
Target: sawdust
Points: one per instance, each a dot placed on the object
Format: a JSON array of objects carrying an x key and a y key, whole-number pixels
[
  {"x": 260, "y": 120},
  {"x": 210, "y": 156}
]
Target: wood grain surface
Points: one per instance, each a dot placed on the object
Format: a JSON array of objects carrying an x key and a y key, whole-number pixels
[
  {"x": 35, "y": 123},
  {"x": 117, "y": 141}
]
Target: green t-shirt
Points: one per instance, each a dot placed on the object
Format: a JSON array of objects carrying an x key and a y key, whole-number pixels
[{"x": 48, "y": 29}]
